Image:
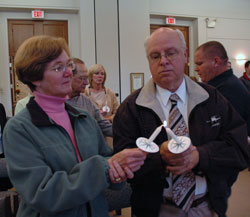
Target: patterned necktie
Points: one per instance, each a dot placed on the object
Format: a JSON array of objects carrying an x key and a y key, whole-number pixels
[{"x": 184, "y": 184}]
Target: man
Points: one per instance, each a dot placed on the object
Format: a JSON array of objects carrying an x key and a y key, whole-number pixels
[
  {"x": 218, "y": 135},
  {"x": 21, "y": 104},
  {"x": 211, "y": 65},
  {"x": 246, "y": 76},
  {"x": 78, "y": 99}
]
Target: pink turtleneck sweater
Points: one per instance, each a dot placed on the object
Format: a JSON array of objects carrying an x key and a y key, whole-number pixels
[{"x": 54, "y": 107}]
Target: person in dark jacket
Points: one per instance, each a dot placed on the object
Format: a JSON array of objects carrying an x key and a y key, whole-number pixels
[
  {"x": 245, "y": 78},
  {"x": 3, "y": 118},
  {"x": 5, "y": 183},
  {"x": 217, "y": 132},
  {"x": 211, "y": 65}
]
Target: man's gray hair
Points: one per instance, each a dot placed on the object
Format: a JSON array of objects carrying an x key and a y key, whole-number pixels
[
  {"x": 180, "y": 34},
  {"x": 183, "y": 41}
]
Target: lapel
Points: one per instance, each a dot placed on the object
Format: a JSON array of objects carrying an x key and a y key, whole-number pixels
[{"x": 147, "y": 96}]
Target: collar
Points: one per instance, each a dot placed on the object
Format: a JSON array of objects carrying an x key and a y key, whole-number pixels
[
  {"x": 246, "y": 76},
  {"x": 165, "y": 94},
  {"x": 50, "y": 104},
  {"x": 147, "y": 96},
  {"x": 220, "y": 78},
  {"x": 40, "y": 118}
]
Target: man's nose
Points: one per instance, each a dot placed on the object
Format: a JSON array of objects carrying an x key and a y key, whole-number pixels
[
  {"x": 164, "y": 60},
  {"x": 196, "y": 68},
  {"x": 86, "y": 82}
]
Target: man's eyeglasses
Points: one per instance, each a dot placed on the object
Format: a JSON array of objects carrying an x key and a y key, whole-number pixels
[
  {"x": 170, "y": 55},
  {"x": 62, "y": 68},
  {"x": 83, "y": 79}
]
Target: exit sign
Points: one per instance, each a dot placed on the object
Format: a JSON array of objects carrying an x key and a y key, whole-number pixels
[
  {"x": 170, "y": 20},
  {"x": 37, "y": 14}
]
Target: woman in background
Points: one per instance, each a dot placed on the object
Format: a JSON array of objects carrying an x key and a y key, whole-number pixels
[
  {"x": 57, "y": 158},
  {"x": 104, "y": 97}
]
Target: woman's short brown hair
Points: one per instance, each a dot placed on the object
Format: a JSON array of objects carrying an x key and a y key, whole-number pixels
[
  {"x": 94, "y": 69},
  {"x": 34, "y": 54}
]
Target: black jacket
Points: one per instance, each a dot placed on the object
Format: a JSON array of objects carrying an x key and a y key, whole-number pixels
[
  {"x": 4, "y": 181},
  {"x": 235, "y": 92},
  {"x": 214, "y": 127},
  {"x": 3, "y": 118}
]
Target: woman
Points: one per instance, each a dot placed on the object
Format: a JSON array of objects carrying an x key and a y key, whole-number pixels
[
  {"x": 104, "y": 97},
  {"x": 56, "y": 155}
]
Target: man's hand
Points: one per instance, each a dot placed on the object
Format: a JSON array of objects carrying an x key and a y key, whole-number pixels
[{"x": 180, "y": 163}]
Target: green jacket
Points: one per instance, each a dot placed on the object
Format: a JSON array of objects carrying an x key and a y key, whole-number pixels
[{"x": 43, "y": 166}]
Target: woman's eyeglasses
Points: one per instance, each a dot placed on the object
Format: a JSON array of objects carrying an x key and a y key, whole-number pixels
[{"x": 62, "y": 68}]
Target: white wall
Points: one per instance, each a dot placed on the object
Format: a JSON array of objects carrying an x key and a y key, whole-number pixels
[
  {"x": 42, "y": 4},
  {"x": 87, "y": 31},
  {"x": 232, "y": 23},
  {"x": 107, "y": 47},
  {"x": 134, "y": 28},
  {"x": 223, "y": 8}
]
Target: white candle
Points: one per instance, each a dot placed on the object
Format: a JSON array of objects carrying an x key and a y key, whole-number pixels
[
  {"x": 154, "y": 134},
  {"x": 172, "y": 135}
]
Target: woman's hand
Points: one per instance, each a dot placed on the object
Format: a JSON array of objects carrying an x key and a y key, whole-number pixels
[
  {"x": 132, "y": 158},
  {"x": 117, "y": 174},
  {"x": 124, "y": 163}
]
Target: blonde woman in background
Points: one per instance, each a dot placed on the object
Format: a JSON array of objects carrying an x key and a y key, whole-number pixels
[{"x": 104, "y": 97}]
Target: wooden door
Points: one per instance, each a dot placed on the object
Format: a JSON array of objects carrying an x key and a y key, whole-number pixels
[
  {"x": 19, "y": 31},
  {"x": 184, "y": 30}
]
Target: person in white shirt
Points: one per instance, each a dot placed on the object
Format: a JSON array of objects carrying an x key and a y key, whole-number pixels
[{"x": 218, "y": 137}]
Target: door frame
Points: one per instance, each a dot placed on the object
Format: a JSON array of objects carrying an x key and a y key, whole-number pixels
[{"x": 74, "y": 42}]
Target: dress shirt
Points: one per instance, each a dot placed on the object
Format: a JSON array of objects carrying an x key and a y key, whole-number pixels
[{"x": 163, "y": 97}]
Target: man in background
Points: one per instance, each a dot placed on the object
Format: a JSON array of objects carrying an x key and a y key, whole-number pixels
[
  {"x": 211, "y": 65},
  {"x": 245, "y": 78},
  {"x": 78, "y": 99},
  {"x": 21, "y": 104}
]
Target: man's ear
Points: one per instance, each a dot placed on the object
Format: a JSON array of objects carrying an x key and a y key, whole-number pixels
[
  {"x": 217, "y": 61},
  {"x": 36, "y": 83},
  {"x": 186, "y": 55}
]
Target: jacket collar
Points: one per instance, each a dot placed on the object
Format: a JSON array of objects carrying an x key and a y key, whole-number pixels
[
  {"x": 245, "y": 76},
  {"x": 40, "y": 118},
  {"x": 147, "y": 96},
  {"x": 221, "y": 77}
]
